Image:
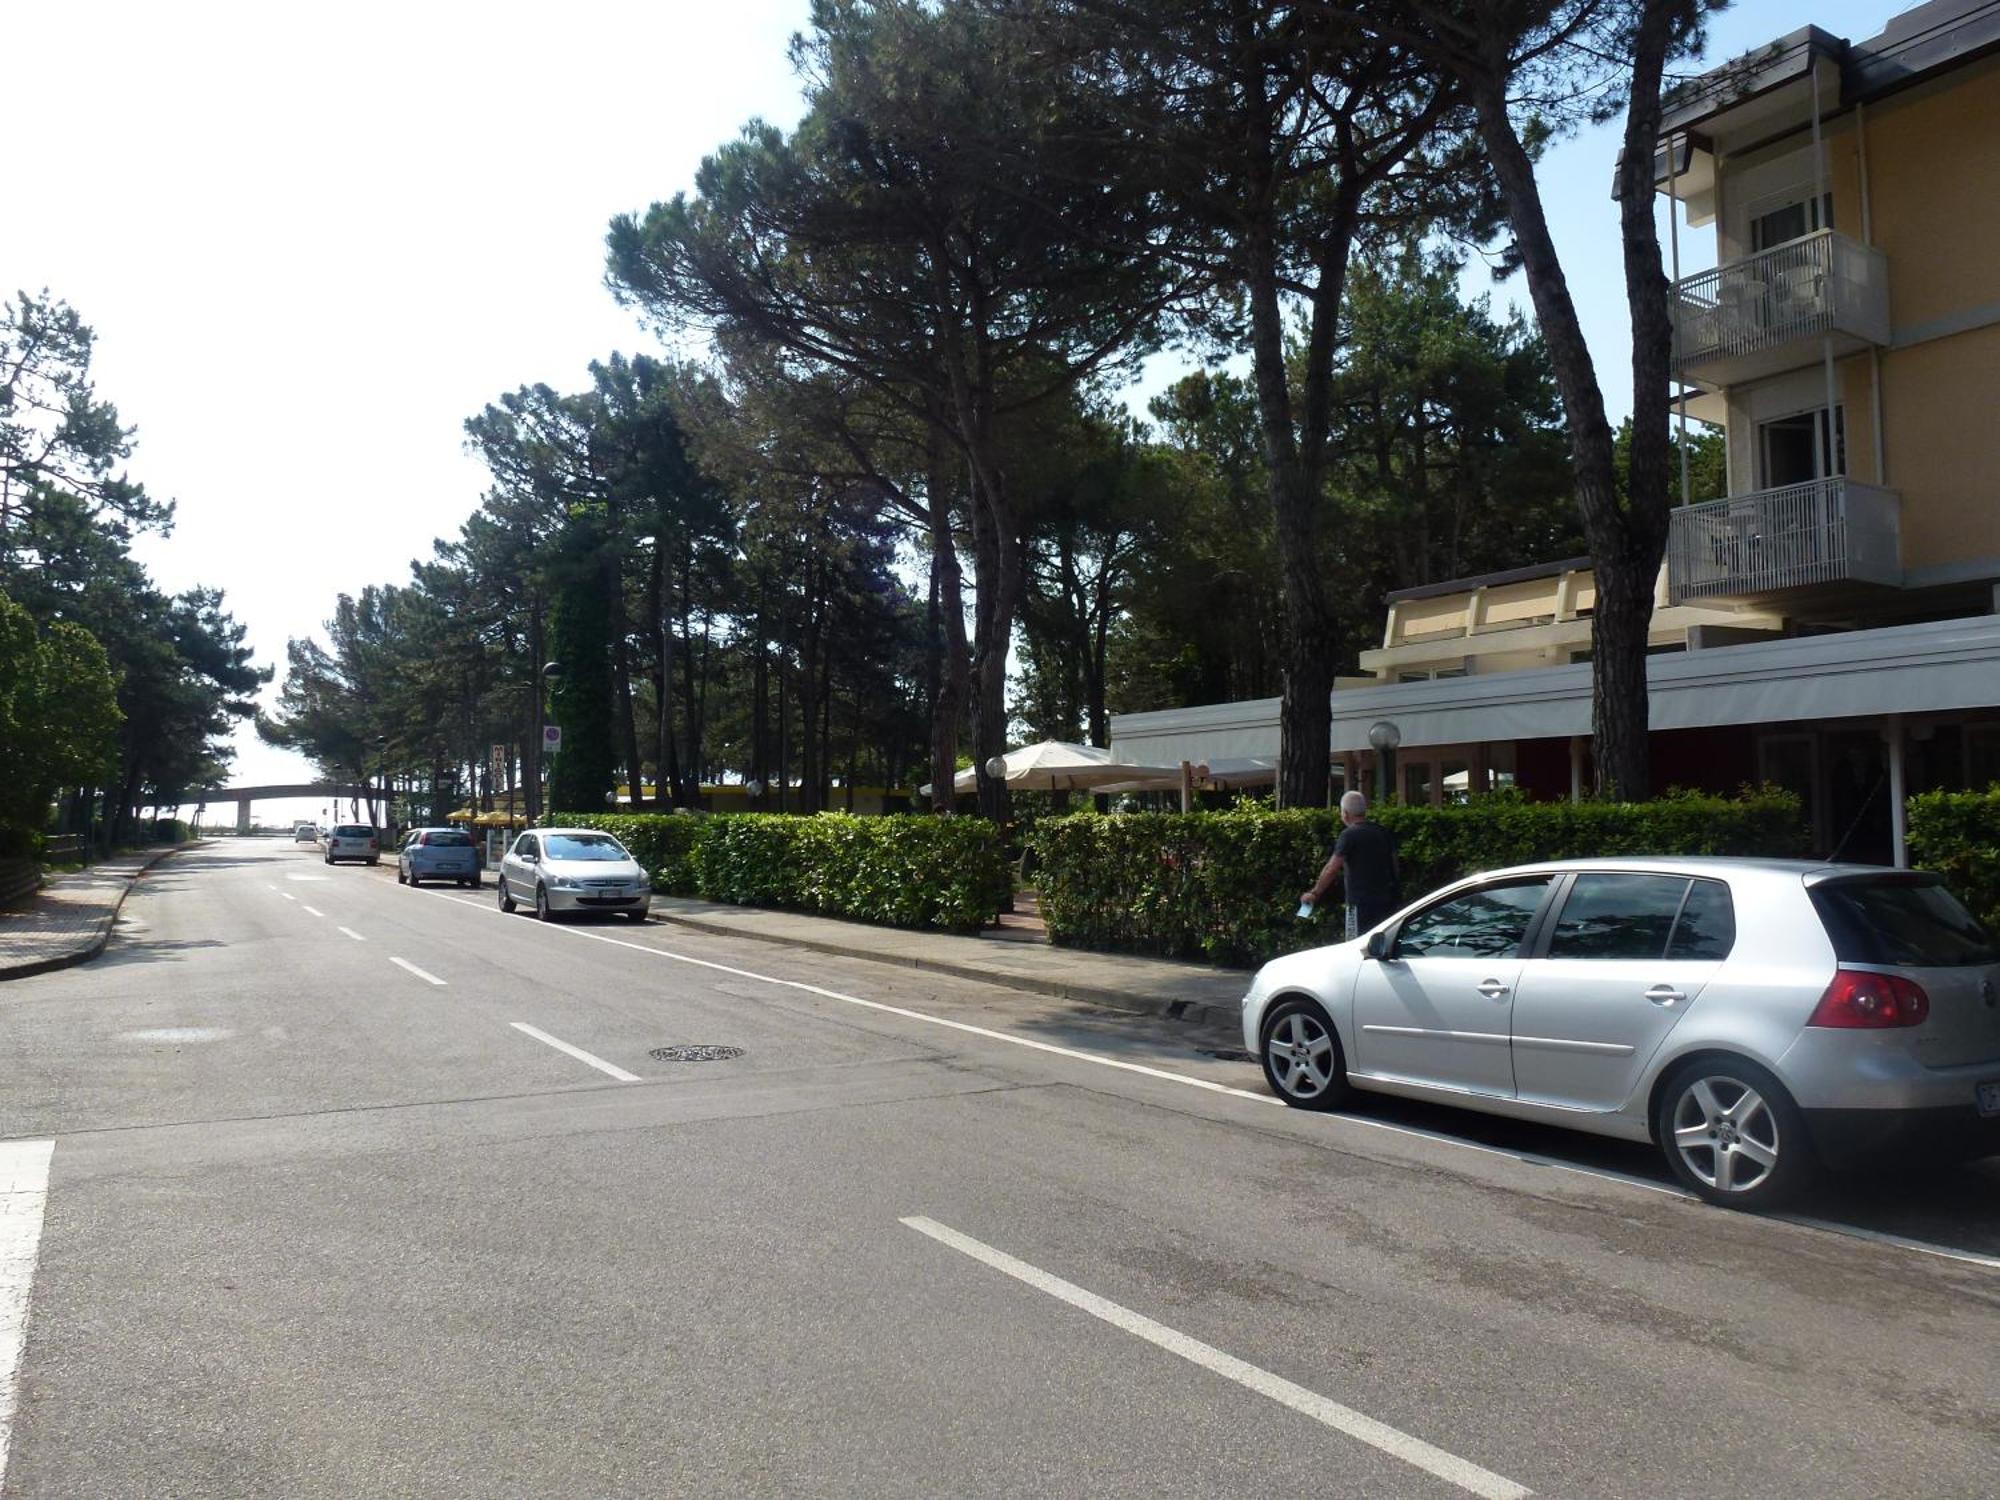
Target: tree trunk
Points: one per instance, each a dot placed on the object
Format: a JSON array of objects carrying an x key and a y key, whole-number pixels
[{"x": 948, "y": 631}]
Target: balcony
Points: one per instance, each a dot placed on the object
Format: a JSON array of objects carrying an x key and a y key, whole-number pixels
[
  {"x": 1828, "y": 531},
  {"x": 1768, "y": 313}
]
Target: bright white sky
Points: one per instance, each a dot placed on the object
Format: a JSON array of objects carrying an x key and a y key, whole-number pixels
[{"x": 313, "y": 241}]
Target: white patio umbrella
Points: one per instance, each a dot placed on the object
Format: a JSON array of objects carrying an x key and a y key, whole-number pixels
[
  {"x": 1248, "y": 771},
  {"x": 1056, "y": 766}
]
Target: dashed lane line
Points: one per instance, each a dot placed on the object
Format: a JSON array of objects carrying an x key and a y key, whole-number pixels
[
  {"x": 576, "y": 1052},
  {"x": 353, "y": 934},
  {"x": 404, "y": 963}
]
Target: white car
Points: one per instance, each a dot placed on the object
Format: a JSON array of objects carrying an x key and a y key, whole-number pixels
[
  {"x": 567, "y": 870},
  {"x": 1754, "y": 1019},
  {"x": 305, "y": 833},
  {"x": 353, "y": 841}
]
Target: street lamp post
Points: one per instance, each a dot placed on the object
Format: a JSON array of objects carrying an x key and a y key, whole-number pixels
[
  {"x": 552, "y": 675},
  {"x": 382, "y": 776},
  {"x": 1384, "y": 736}
]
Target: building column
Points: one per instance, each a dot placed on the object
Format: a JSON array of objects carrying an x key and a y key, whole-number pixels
[
  {"x": 242, "y": 814},
  {"x": 1892, "y": 729}
]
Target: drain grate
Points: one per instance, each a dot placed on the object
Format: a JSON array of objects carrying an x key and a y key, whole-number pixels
[
  {"x": 704, "y": 1052},
  {"x": 1226, "y": 1054}
]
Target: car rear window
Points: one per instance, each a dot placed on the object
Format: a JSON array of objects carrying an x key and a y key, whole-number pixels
[
  {"x": 1907, "y": 921},
  {"x": 448, "y": 838},
  {"x": 354, "y": 831}
]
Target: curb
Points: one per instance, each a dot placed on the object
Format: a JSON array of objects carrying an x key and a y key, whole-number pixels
[
  {"x": 1227, "y": 1018},
  {"x": 96, "y": 946}
]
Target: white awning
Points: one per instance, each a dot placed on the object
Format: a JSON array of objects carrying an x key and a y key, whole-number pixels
[{"x": 1936, "y": 667}]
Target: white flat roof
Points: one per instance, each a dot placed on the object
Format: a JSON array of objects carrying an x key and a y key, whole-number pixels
[{"x": 1929, "y": 668}]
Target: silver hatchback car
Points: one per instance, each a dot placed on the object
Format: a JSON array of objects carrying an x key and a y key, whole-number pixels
[
  {"x": 573, "y": 870},
  {"x": 1756, "y": 1019}
]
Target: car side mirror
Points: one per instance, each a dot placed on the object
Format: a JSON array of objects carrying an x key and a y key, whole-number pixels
[{"x": 1381, "y": 945}]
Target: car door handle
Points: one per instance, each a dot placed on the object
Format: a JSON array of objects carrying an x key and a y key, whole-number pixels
[
  {"x": 1665, "y": 994},
  {"x": 1493, "y": 989}
]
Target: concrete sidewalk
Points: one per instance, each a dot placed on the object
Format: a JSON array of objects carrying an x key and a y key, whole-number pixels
[
  {"x": 69, "y": 921},
  {"x": 1149, "y": 986}
]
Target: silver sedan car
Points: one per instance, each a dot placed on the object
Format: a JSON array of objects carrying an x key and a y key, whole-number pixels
[
  {"x": 560, "y": 870},
  {"x": 1756, "y": 1019}
]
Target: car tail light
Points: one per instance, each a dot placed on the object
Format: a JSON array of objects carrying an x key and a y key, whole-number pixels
[{"x": 1858, "y": 1000}]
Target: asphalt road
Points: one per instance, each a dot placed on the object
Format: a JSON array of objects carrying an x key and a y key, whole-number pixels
[{"x": 323, "y": 1218}]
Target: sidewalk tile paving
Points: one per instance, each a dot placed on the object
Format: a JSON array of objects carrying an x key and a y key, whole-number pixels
[
  {"x": 1150, "y": 986},
  {"x": 69, "y": 920}
]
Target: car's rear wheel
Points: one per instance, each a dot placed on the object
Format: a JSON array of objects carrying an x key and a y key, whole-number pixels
[
  {"x": 1732, "y": 1135},
  {"x": 471, "y": 882},
  {"x": 506, "y": 901},
  {"x": 636, "y": 916},
  {"x": 542, "y": 912},
  {"x": 1301, "y": 1057}
]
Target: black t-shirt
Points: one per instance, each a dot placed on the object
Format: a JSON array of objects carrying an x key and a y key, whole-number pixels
[{"x": 1369, "y": 867}]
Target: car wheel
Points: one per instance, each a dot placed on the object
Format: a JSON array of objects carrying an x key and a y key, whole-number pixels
[
  {"x": 542, "y": 912},
  {"x": 401, "y": 879},
  {"x": 506, "y": 901},
  {"x": 1732, "y": 1135},
  {"x": 471, "y": 883},
  {"x": 374, "y": 862},
  {"x": 1301, "y": 1057},
  {"x": 636, "y": 916}
]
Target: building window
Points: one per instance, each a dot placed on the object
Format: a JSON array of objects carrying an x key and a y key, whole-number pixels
[
  {"x": 1796, "y": 449},
  {"x": 1792, "y": 221},
  {"x": 1429, "y": 674}
]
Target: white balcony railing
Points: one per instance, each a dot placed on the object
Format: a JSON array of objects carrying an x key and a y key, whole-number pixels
[
  {"x": 1730, "y": 322},
  {"x": 1826, "y": 531}
]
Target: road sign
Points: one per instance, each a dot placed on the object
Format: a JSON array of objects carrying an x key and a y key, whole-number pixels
[
  {"x": 496, "y": 760},
  {"x": 551, "y": 738}
]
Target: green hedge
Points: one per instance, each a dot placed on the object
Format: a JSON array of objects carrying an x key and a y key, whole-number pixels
[
  {"x": 1957, "y": 834},
  {"x": 1225, "y": 886},
  {"x": 944, "y": 873}
]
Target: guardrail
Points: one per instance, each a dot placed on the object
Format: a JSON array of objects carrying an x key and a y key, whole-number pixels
[
  {"x": 19, "y": 879},
  {"x": 63, "y": 845}
]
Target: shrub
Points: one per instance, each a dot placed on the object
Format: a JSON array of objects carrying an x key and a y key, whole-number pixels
[
  {"x": 1957, "y": 834},
  {"x": 945, "y": 873},
  {"x": 1224, "y": 886}
]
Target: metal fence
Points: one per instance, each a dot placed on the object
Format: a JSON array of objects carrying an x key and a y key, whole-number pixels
[
  {"x": 1825, "y": 531},
  {"x": 1801, "y": 289}
]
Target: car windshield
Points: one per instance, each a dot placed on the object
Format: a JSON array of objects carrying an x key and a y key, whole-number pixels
[
  {"x": 582, "y": 846},
  {"x": 1911, "y": 922}
]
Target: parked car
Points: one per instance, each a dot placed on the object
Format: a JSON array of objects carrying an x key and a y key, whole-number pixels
[
  {"x": 1755, "y": 1019},
  {"x": 572, "y": 870},
  {"x": 353, "y": 841},
  {"x": 437, "y": 854}
]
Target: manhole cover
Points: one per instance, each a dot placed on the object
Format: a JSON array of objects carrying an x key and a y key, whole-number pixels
[
  {"x": 700, "y": 1053},
  {"x": 1226, "y": 1054}
]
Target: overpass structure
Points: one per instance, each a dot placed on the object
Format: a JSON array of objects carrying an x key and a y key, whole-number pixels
[{"x": 243, "y": 796}]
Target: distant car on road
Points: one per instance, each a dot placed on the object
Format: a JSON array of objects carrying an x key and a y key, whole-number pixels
[
  {"x": 561, "y": 870},
  {"x": 437, "y": 854},
  {"x": 305, "y": 833},
  {"x": 1755, "y": 1019},
  {"x": 353, "y": 841}
]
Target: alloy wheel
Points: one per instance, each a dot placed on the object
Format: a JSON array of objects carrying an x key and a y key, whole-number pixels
[
  {"x": 1301, "y": 1056},
  {"x": 1726, "y": 1133}
]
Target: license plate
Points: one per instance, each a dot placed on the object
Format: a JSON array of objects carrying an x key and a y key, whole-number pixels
[{"x": 1989, "y": 1097}]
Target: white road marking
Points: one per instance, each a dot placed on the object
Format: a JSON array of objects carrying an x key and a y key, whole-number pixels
[
  {"x": 1526, "y": 1158},
  {"x": 353, "y": 934},
  {"x": 404, "y": 963},
  {"x": 307, "y": 877},
  {"x": 1380, "y": 1435},
  {"x": 24, "y": 1194},
  {"x": 288, "y": 895},
  {"x": 177, "y": 1034},
  {"x": 313, "y": 909},
  {"x": 576, "y": 1052}
]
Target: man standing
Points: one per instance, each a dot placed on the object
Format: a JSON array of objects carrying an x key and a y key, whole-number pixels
[{"x": 1366, "y": 856}]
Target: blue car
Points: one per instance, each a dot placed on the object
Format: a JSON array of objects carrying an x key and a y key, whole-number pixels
[{"x": 437, "y": 854}]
